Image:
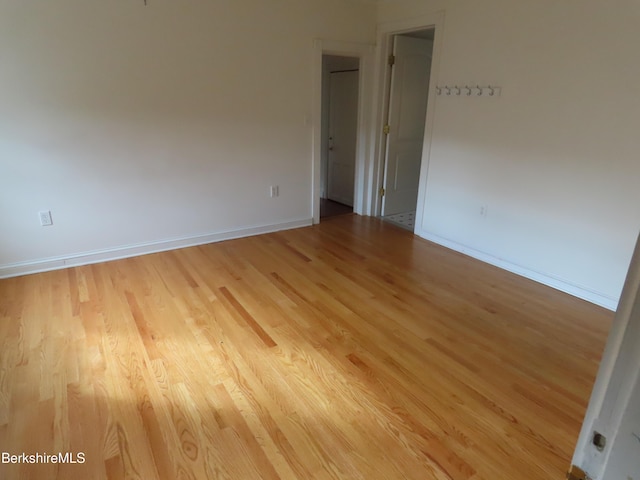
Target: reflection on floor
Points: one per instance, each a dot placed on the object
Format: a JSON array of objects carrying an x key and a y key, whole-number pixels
[
  {"x": 405, "y": 220},
  {"x": 329, "y": 208}
]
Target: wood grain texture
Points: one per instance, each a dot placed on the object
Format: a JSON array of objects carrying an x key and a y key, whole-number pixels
[{"x": 347, "y": 350}]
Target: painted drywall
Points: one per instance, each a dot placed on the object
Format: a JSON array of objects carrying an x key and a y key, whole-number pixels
[
  {"x": 555, "y": 158},
  {"x": 137, "y": 124}
]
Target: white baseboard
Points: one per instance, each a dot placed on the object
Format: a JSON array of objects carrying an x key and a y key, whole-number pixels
[
  {"x": 600, "y": 299},
  {"x": 86, "y": 258}
]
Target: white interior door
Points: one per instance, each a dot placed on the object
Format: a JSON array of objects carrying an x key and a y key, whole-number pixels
[
  {"x": 407, "y": 114},
  {"x": 343, "y": 125},
  {"x": 624, "y": 460}
]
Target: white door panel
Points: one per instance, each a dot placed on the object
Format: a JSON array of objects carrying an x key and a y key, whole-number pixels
[
  {"x": 407, "y": 115},
  {"x": 406, "y": 165},
  {"x": 343, "y": 124}
]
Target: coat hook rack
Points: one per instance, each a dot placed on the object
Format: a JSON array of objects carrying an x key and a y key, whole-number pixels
[{"x": 468, "y": 90}]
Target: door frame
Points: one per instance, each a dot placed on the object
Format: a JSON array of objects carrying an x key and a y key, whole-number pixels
[
  {"x": 364, "y": 141},
  {"x": 386, "y": 32}
]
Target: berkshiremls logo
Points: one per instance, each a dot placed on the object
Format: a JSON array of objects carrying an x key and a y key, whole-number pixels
[{"x": 59, "y": 457}]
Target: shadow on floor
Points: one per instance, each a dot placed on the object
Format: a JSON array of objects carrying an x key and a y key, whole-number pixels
[{"x": 329, "y": 208}]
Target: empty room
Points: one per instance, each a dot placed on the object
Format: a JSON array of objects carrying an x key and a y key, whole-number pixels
[{"x": 173, "y": 304}]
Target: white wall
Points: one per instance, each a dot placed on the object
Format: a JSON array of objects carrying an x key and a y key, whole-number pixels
[
  {"x": 555, "y": 158},
  {"x": 139, "y": 124}
]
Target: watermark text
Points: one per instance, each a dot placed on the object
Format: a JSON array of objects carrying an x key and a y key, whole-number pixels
[{"x": 59, "y": 457}]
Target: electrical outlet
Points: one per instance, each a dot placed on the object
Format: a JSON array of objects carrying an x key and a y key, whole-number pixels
[
  {"x": 274, "y": 191},
  {"x": 484, "y": 209},
  {"x": 45, "y": 218}
]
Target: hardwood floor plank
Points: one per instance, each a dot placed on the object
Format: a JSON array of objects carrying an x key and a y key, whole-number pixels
[
  {"x": 347, "y": 350},
  {"x": 237, "y": 306}
]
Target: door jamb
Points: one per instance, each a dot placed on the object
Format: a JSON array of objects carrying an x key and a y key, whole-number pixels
[
  {"x": 386, "y": 32},
  {"x": 364, "y": 141}
]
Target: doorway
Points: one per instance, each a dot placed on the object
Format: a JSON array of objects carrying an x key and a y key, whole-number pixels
[
  {"x": 339, "y": 131},
  {"x": 409, "y": 70}
]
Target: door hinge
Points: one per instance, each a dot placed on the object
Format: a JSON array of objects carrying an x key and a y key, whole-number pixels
[
  {"x": 392, "y": 60},
  {"x": 386, "y": 129},
  {"x": 576, "y": 473},
  {"x": 382, "y": 191}
]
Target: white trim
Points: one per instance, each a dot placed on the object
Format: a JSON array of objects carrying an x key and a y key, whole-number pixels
[
  {"x": 364, "y": 147},
  {"x": 579, "y": 291},
  {"x": 385, "y": 33},
  {"x": 96, "y": 256}
]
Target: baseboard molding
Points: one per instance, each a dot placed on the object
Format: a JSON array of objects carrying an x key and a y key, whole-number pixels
[
  {"x": 86, "y": 258},
  {"x": 597, "y": 298}
]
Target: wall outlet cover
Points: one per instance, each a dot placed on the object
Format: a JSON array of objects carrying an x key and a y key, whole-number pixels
[{"x": 45, "y": 218}]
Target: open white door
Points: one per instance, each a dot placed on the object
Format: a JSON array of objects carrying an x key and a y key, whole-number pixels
[
  {"x": 407, "y": 114},
  {"x": 609, "y": 443},
  {"x": 624, "y": 459},
  {"x": 343, "y": 125}
]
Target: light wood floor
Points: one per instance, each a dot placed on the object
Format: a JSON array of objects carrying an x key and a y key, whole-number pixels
[{"x": 347, "y": 350}]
